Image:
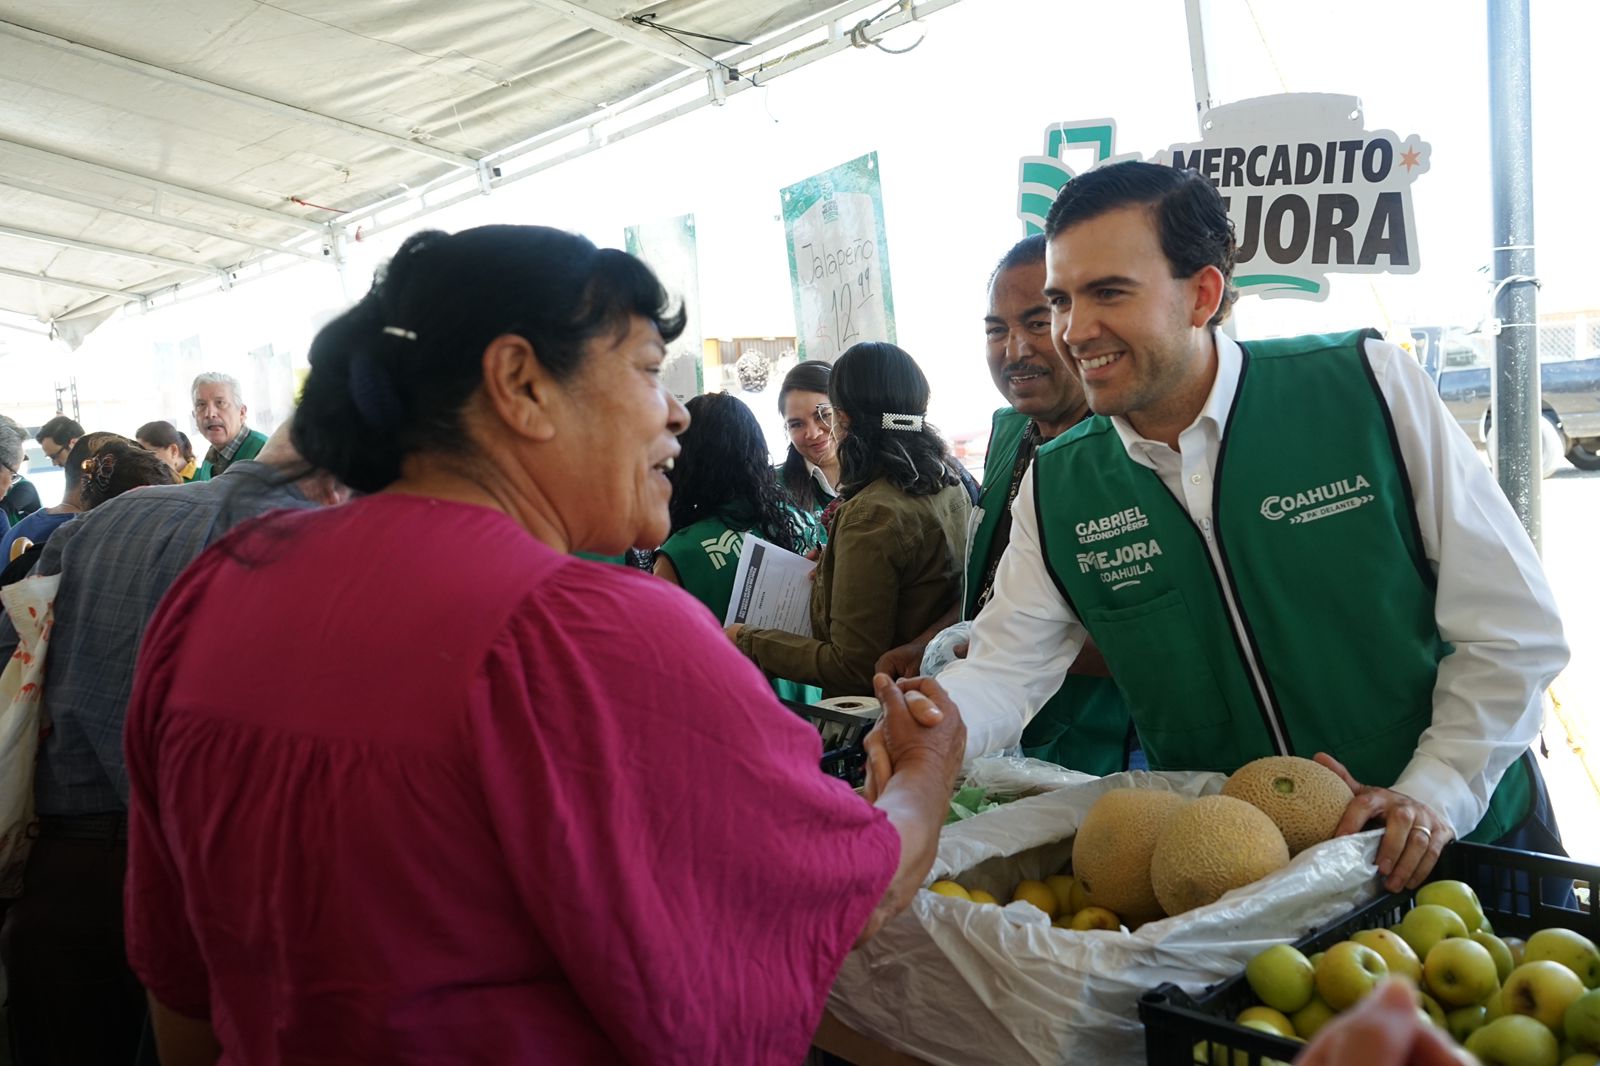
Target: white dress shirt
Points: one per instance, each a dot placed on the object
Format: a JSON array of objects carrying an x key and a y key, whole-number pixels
[{"x": 1492, "y": 602}]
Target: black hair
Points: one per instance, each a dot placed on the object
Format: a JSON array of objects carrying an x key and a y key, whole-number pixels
[
  {"x": 809, "y": 376},
  {"x": 1190, "y": 218},
  {"x": 118, "y": 465},
  {"x": 871, "y": 380},
  {"x": 80, "y": 453},
  {"x": 392, "y": 375},
  {"x": 1027, "y": 252},
  {"x": 60, "y": 429},
  {"x": 164, "y": 434},
  {"x": 722, "y": 472}
]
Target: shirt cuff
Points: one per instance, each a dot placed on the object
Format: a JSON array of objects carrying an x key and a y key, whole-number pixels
[{"x": 1430, "y": 781}]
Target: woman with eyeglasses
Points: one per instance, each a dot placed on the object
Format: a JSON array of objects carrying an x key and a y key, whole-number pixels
[
  {"x": 810, "y": 472},
  {"x": 896, "y": 537},
  {"x": 19, "y": 498}
]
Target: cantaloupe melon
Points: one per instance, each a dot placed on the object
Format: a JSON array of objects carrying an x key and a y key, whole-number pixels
[
  {"x": 1111, "y": 853},
  {"x": 1304, "y": 799},
  {"x": 1211, "y": 846}
]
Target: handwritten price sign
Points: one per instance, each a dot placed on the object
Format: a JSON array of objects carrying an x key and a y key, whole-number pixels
[{"x": 838, "y": 259}]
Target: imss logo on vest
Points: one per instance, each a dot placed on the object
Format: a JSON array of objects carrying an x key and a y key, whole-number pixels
[{"x": 1311, "y": 504}]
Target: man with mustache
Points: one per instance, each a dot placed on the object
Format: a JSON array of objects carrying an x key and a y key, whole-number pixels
[
  {"x": 1280, "y": 547},
  {"x": 1084, "y": 725},
  {"x": 219, "y": 414}
]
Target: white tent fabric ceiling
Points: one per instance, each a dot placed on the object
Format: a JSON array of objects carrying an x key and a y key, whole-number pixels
[{"x": 145, "y": 146}]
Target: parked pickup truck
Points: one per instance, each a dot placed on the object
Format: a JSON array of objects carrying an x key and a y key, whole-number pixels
[{"x": 1460, "y": 363}]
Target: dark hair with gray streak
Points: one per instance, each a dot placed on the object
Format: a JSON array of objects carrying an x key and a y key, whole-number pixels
[{"x": 873, "y": 379}]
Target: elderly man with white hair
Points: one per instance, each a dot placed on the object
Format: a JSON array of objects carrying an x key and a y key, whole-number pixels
[{"x": 219, "y": 415}]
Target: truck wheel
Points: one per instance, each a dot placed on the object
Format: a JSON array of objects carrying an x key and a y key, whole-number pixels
[
  {"x": 1551, "y": 445},
  {"x": 1585, "y": 454}
]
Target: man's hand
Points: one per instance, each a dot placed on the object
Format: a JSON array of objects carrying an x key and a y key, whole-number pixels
[
  {"x": 1413, "y": 833},
  {"x": 925, "y": 704},
  {"x": 904, "y": 661}
]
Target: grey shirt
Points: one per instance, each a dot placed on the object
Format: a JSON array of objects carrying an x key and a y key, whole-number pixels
[{"x": 116, "y": 563}]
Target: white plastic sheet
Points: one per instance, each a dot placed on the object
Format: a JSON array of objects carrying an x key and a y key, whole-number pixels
[{"x": 961, "y": 984}]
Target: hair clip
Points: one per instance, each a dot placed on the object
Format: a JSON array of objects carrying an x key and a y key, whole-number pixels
[
  {"x": 909, "y": 423},
  {"x": 396, "y": 331}
]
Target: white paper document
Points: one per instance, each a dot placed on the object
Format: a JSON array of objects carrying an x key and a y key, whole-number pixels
[{"x": 771, "y": 588}]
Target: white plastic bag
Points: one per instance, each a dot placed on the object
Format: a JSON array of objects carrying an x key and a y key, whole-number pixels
[
  {"x": 960, "y": 984},
  {"x": 29, "y": 603}
]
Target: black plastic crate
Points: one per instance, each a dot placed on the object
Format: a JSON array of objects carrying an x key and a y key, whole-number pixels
[
  {"x": 843, "y": 755},
  {"x": 1507, "y": 883}
]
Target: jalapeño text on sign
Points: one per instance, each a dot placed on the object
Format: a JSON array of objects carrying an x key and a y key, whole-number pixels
[
  {"x": 1310, "y": 191},
  {"x": 1318, "y": 501}
]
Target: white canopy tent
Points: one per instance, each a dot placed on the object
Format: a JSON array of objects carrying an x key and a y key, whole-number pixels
[{"x": 154, "y": 151}]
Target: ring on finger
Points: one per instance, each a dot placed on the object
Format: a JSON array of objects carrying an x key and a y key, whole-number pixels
[{"x": 1427, "y": 834}]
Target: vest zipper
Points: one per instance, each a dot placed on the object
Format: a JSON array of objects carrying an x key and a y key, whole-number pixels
[{"x": 1223, "y": 573}]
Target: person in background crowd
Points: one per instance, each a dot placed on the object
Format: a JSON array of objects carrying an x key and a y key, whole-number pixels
[
  {"x": 722, "y": 488},
  {"x": 219, "y": 414},
  {"x": 500, "y": 390},
  {"x": 73, "y": 998},
  {"x": 20, "y": 498},
  {"x": 896, "y": 539},
  {"x": 57, "y": 437},
  {"x": 1357, "y": 589},
  {"x": 38, "y": 526},
  {"x": 114, "y": 465},
  {"x": 1085, "y": 725},
  {"x": 167, "y": 441},
  {"x": 810, "y": 470}
]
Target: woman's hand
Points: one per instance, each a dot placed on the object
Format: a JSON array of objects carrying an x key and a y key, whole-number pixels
[
  {"x": 926, "y": 707},
  {"x": 733, "y": 631}
]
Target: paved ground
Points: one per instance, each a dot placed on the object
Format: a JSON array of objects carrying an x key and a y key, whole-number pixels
[{"x": 1572, "y": 560}]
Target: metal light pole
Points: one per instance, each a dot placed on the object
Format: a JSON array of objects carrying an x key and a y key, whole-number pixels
[{"x": 1514, "y": 384}]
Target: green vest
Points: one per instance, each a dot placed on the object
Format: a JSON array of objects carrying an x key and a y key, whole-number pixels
[
  {"x": 249, "y": 448},
  {"x": 1084, "y": 726},
  {"x": 1317, "y": 533},
  {"x": 706, "y": 556}
]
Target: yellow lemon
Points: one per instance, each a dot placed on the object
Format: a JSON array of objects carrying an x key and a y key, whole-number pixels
[{"x": 951, "y": 889}]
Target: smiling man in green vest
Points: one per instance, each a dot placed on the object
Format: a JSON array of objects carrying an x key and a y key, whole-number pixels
[
  {"x": 1085, "y": 725},
  {"x": 1279, "y": 547}
]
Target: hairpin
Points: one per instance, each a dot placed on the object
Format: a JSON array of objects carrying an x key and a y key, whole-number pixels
[
  {"x": 396, "y": 331},
  {"x": 910, "y": 423}
]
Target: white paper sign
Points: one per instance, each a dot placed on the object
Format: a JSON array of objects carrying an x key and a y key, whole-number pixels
[{"x": 771, "y": 588}]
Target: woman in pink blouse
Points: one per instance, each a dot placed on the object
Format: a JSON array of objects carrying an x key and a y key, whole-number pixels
[{"x": 451, "y": 795}]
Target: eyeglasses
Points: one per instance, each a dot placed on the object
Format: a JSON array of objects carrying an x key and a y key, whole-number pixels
[
  {"x": 10, "y": 469},
  {"x": 825, "y": 412},
  {"x": 59, "y": 456}
]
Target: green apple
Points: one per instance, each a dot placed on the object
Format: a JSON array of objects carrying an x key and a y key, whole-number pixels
[
  {"x": 1349, "y": 971},
  {"x": 1582, "y": 1022},
  {"x": 1397, "y": 954},
  {"x": 1273, "y": 1019},
  {"x": 1582, "y": 1058},
  {"x": 1312, "y": 1017},
  {"x": 1219, "y": 1052},
  {"x": 1282, "y": 978},
  {"x": 1515, "y": 945},
  {"x": 1515, "y": 1040},
  {"x": 1503, "y": 963},
  {"x": 1316, "y": 957},
  {"x": 1428, "y": 923},
  {"x": 1435, "y": 1013},
  {"x": 1460, "y": 972},
  {"x": 1464, "y": 1021},
  {"x": 1495, "y": 1006},
  {"x": 1458, "y": 896},
  {"x": 1573, "y": 950},
  {"x": 1542, "y": 990}
]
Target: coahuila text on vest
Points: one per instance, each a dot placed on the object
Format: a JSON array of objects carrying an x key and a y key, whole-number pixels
[
  {"x": 1112, "y": 525},
  {"x": 1123, "y": 565},
  {"x": 1308, "y": 505}
]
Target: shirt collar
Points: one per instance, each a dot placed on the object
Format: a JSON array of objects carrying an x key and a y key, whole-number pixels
[
  {"x": 1213, "y": 417},
  {"x": 819, "y": 477},
  {"x": 228, "y": 450}
]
